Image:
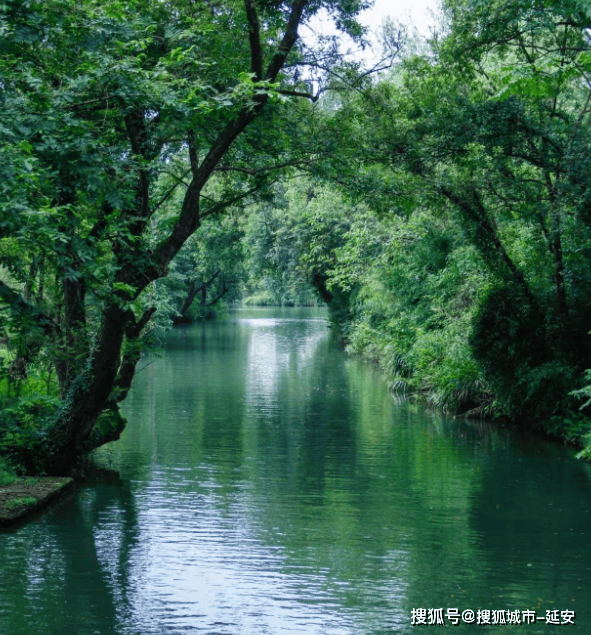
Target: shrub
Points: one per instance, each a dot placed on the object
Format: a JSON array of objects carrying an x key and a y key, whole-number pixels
[{"x": 523, "y": 364}]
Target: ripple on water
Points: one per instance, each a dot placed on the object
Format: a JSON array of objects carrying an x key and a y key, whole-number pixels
[{"x": 272, "y": 486}]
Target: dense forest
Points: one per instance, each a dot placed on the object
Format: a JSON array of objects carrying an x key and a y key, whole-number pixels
[{"x": 161, "y": 159}]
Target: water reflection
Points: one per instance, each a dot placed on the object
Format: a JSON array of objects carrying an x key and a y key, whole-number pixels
[
  {"x": 72, "y": 564},
  {"x": 270, "y": 485}
]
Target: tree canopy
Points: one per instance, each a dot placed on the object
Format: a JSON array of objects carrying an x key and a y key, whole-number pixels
[
  {"x": 441, "y": 208},
  {"x": 101, "y": 101}
]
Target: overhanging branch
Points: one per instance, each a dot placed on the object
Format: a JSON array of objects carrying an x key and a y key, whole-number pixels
[
  {"x": 256, "y": 53},
  {"x": 190, "y": 217},
  {"x": 218, "y": 206},
  {"x": 289, "y": 39},
  {"x": 297, "y": 93}
]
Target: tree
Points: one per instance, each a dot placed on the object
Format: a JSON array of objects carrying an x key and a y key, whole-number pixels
[
  {"x": 489, "y": 132},
  {"x": 290, "y": 243},
  {"x": 209, "y": 268},
  {"x": 99, "y": 99}
]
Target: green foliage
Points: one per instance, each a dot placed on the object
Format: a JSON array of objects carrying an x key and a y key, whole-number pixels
[
  {"x": 444, "y": 214},
  {"x": 24, "y": 427},
  {"x": 262, "y": 298},
  {"x": 17, "y": 503},
  {"x": 415, "y": 284},
  {"x": 572, "y": 426},
  {"x": 584, "y": 392},
  {"x": 508, "y": 339},
  {"x": 209, "y": 268},
  {"x": 468, "y": 280},
  {"x": 127, "y": 128},
  {"x": 7, "y": 474},
  {"x": 585, "y": 453},
  {"x": 291, "y": 245}
]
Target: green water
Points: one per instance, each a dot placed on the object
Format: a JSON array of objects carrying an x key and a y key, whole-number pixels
[{"x": 270, "y": 485}]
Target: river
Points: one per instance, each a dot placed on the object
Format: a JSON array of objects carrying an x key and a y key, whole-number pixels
[{"x": 270, "y": 485}]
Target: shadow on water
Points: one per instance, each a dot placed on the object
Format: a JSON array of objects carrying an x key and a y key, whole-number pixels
[{"x": 70, "y": 566}]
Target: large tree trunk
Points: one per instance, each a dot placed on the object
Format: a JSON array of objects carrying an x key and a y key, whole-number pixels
[
  {"x": 89, "y": 393},
  {"x": 105, "y": 378}
]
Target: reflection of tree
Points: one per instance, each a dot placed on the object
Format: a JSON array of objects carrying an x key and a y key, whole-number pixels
[
  {"x": 319, "y": 495},
  {"x": 353, "y": 470},
  {"x": 72, "y": 574},
  {"x": 369, "y": 503},
  {"x": 534, "y": 521},
  {"x": 308, "y": 422},
  {"x": 194, "y": 394}
]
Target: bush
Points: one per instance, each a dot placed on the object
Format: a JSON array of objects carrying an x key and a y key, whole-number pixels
[
  {"x": 24, "y": 423},
  {"x": 7, "y": 474},
  {"x": 509, "y": 338}
]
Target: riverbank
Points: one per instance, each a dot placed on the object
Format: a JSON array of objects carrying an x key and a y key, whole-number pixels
[
  {"x": 23, "y": 497},
  {"x": 467, "y": 395}
]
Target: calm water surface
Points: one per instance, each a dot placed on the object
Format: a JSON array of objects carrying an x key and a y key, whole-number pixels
[{"x": 271, "y": 485}]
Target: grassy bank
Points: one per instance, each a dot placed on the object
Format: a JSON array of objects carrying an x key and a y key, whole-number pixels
[{"x": 24, "y": 496}]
